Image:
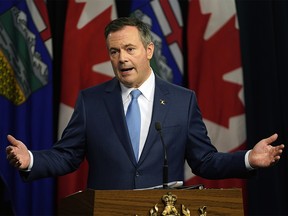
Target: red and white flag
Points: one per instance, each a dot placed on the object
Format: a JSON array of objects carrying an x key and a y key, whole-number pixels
[
  {"x": 215, "y": 73},
  {"x": 85, "y": 63}
]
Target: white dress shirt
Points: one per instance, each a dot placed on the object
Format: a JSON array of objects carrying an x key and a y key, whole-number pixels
[{"x": 145, "y": 101}]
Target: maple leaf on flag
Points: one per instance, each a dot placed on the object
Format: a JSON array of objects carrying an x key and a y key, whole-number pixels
[
  {"x": 215, "y": 62},
  {"x": 84, "y": 49},
  {"x": 85, "y": 63},
  {"x": 215, "y": 73}
]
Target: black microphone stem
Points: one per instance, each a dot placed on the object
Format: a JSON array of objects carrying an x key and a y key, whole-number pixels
[{"x": 165, "y": 162}]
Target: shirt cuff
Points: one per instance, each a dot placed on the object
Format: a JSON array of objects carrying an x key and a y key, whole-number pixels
[
  {"x": 247, "y": 164},
  {"x": 31, "y": 162}
]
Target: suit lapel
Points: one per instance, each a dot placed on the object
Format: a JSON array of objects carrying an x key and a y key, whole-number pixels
[
  {"x": 160, "y": 108},
  {"x": 114, "y": 104}
]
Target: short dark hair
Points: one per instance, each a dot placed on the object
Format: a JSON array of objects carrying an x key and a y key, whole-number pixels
[{"x": 121, "y": 22}]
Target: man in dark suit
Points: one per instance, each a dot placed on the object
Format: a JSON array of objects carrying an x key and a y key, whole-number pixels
[{"x": 98, "y": 129}]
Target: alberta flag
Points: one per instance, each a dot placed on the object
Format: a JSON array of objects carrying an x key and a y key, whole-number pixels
[
  {"x": 26, "y": 97},
  {"x": 165, "y": 21}
]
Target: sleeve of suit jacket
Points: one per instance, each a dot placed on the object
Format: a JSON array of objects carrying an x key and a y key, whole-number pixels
[
  {"x": 67, "y": 154},
  {"x": 203, "y": 157}
]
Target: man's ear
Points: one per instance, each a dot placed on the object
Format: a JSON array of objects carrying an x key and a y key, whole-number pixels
[{"x": 150, "y": 50}]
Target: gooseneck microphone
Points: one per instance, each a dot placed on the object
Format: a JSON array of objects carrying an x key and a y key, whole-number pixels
[{"x": 165, "y": 164}]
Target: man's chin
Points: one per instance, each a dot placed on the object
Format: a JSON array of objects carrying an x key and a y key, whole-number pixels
[{"x": 127, "y": 82}]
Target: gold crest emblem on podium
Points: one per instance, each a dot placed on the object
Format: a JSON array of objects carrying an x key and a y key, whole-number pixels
[{"x": 169, "y": 200}]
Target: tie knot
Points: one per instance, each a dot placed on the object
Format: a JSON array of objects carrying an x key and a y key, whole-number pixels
[{"x": 135, "y": 93}]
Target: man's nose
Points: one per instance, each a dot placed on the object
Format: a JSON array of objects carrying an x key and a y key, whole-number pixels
[{"x": 122, "y": 56}]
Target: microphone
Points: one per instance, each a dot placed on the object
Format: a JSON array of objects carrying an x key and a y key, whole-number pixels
[{"x": 165, "y": 164}]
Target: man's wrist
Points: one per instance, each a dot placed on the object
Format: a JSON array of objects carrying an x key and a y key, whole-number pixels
[
  {"x": 247, "y": 164},
  {"x": 30, "y": 164}
]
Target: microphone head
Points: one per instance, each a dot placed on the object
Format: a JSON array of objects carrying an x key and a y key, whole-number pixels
[{"x": 158, "y": 126}]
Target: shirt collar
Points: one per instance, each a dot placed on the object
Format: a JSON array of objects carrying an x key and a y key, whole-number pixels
[{"x": 147, "y": 88}]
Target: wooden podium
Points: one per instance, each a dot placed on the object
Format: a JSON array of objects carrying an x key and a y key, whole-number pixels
[{"x": 203, "y": 202}]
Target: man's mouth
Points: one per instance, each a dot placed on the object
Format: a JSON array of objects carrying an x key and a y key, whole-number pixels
[{"x": 125, "y": 70}]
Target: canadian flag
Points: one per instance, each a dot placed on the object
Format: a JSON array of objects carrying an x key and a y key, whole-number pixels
[
  {"x": 85, "y": 63},
  {"x": 215, "y": 73}
]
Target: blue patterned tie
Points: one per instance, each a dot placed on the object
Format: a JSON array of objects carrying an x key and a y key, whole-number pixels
[{"x": 133, "y": 118}]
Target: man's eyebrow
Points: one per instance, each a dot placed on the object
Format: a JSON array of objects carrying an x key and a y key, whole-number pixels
[
  {"x": 129, "y": 45},
  {"x": 125, "y": 46}
]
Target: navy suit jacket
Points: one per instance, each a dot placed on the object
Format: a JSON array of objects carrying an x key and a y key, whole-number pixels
[{"x": 98, "y": 131}]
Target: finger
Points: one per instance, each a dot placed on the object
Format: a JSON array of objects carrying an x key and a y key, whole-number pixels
[
  {"x": 14, "y": 162},
  {"x": 271, "y": 139},
  {"x": 275, "y": 160},
  {"x": 279, "y": 149},
  {"x": 9, "y": 149},
  {"x": 18, "y": 164},
  {"x": 10, "y": 153},
  {"x": 12, "y": 140},
  {"x": 11, "y": 156}
]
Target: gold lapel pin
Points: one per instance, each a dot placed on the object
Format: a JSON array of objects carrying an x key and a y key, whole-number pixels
[{"x": 162, "y": 102}]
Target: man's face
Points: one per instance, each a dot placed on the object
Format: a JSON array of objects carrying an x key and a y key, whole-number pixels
[{"x": 130, "y": 59}]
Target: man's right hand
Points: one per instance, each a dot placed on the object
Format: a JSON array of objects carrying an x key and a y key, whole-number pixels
[{"x": 17, "y": 153}]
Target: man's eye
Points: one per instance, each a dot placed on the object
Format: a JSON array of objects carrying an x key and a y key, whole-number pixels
[
  {"x": 130, "y": 49},
  {"x": 113, "y": 52}
]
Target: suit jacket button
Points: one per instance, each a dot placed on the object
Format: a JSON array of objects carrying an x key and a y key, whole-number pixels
[{"x": 137, "y": 174}]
